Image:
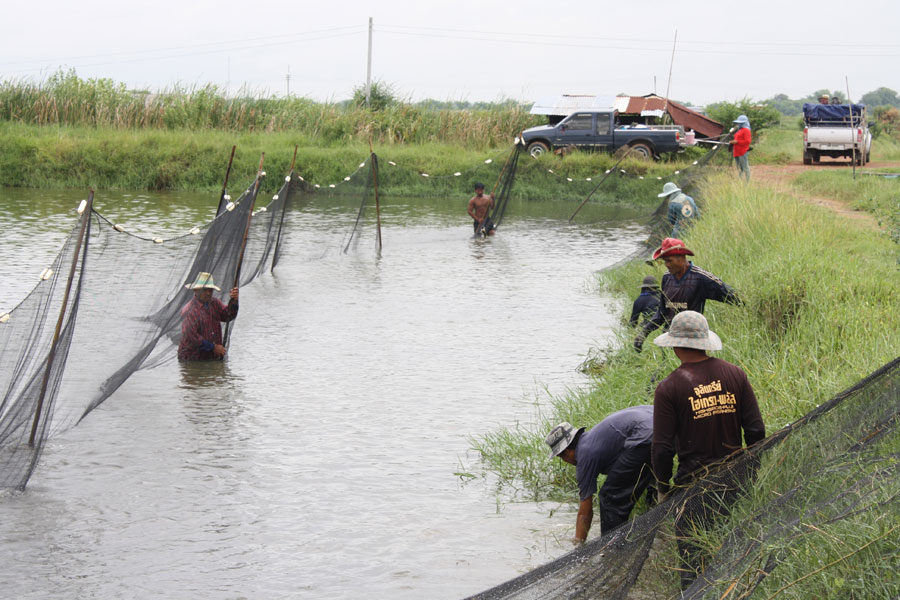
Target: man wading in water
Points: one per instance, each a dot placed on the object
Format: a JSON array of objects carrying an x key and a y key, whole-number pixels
[
  {"x": 479, "y": 206},
  {"x": 201, "y": 321}
]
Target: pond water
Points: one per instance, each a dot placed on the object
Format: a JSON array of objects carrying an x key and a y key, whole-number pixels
[{"x": 329, "y": 456}]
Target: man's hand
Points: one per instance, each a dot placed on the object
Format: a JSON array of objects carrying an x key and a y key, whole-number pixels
[
  {"x": 219, "y": 349},
  {"x": 234, "y": 293}
]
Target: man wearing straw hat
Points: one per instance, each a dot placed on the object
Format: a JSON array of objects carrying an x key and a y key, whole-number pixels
[
  {"x": 699, "y": 412},
  {"x": 685, "y": 287},
  {"x": 201, "y": 321},
  {"x": 618, "y": 447}
]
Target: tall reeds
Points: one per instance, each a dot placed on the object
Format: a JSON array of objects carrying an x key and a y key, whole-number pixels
[{"x": 64, "y": 99}]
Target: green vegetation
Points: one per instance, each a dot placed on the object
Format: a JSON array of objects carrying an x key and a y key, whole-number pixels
[
  {"x": 820, "y": 295},
  {"x": 67, "y": 100}
]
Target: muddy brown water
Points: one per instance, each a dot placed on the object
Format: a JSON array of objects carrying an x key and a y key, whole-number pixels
[{"x": 330, "y": 455}]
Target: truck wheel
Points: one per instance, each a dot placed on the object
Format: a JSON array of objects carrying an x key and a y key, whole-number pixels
[
  {"x": 815, "y": 156},
  {"x": 642, "y": 151},
  {"x": 868, "y": 155},
  {"x": 537, "y": 148},
  {"x": 807, "y": 159}
]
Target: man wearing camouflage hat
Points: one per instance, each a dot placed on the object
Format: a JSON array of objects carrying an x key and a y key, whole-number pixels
[
  {"x": 618, "y": 447},
  {"x": 699, "y": 412}
]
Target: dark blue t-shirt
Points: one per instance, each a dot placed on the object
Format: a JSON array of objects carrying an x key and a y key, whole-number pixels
[{"x": 599, "y": 448}]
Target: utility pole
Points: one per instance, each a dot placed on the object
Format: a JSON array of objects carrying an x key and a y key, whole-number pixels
[
  {"x": 288, "y": 79},
  {"x": 369, "y": 69}
]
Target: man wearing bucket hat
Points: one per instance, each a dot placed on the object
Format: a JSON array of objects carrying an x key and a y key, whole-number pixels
[
  {"x": 740, "y": 145},
  {"x": 619, "y": 447},
  {"x": 685, "y": 287},
  {"x": 201, "y": 321},
  {"x": 682, "y": 209},
  {"x": 699, "y": 412},
  {"x": 647, "y": 302}
]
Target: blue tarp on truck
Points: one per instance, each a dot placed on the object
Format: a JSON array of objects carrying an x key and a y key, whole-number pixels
[{"x": 832, "y": 112}]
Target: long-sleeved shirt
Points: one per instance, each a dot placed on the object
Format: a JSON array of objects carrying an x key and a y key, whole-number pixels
[
  {"x": 682, "y": 209},
  {"x": 690, "y": 292},
  {"x": 201, "y": 328},
  {"x": 741, "y": 142},
  {"x": 699, "y": 412},
  {"x": 645, "y": 304}
]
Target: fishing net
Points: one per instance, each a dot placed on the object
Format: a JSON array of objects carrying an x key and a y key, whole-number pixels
[
  {"x": 831, "y": 480},
  {"x": 116, "y": 296}
]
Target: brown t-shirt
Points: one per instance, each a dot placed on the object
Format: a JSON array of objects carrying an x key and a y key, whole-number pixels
[{"x": 699, "y": 411}]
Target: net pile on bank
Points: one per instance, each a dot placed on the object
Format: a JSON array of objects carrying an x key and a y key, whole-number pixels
[{"x": 109, "y": 305}]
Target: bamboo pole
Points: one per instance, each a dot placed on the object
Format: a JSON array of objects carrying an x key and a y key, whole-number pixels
[
  {"x": 225, "y": 185},
  {"x": 237, "y": 270},
  {"x": 85, "y": 217},
  {"x": 374, "y": 167},
  {"x": 852, "y": 129},
  {"x": 284, "y": 204}
]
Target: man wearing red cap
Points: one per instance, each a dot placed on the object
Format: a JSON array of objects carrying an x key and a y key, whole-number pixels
[{"x": 685, "y": 287}]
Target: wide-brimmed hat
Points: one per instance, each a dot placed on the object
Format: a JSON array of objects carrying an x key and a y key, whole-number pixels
[
  {"x": 671, "y": 247},
  {"x": 689, "y": 329},
  {"x": 204, "y": 280},
  {"x": 668, "y": 189},
  {"x": 649, "y": 283},
  {"x": 560, "y": 437},
  {"x": 742, "y": 119}
]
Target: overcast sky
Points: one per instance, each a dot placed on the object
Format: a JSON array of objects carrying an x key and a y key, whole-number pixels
[{"x": 464, "y": 50}]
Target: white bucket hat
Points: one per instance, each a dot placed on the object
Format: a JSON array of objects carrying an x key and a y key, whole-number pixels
[
  {"x": 204, "y": 280},
  {"x": 689, "y": 329},
  {"x": 560, "y": 437},
  {"x": 669, "y": 189}
]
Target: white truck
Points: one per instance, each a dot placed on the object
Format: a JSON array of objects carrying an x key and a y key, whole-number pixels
[{"x": 836, "y": 130}]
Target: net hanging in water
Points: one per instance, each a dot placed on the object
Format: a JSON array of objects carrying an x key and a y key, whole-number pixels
[{"x": 119, "y": 311}]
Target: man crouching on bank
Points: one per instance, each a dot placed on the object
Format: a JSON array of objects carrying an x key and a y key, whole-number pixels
[{"x": 619, "y": 447}]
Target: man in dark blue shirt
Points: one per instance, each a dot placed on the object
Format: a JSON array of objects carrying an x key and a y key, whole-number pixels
[
  {"x": 685, "y": 287},
  {"x": 647, "y": 303},
  {"x": 618, "y": 447}
]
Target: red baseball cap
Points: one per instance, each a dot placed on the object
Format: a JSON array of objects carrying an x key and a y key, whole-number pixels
[{"x": 671, "y": 247}]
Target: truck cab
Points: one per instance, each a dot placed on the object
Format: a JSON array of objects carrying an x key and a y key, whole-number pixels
[{"x": 600, "y": 130}]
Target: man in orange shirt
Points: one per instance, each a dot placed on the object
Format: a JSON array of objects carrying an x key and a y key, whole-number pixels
[{"x": 741, "y": 145}]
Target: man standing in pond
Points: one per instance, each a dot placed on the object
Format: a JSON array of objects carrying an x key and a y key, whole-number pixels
[
  {"x": 479, "y": 205},
  {"x": 684, "y": 287},
  {"x": 619, "y": 447},
  {"x": 699, "y": 413},
  {"x": 201, "y": 321}
]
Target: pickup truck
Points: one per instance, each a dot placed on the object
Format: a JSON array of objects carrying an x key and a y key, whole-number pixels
[
  {"x": 600, "y": 130},
  {"x": 836, "y": 130}
]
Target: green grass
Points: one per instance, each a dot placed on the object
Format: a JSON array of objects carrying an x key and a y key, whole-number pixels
[{"x": 820, "y": 312}]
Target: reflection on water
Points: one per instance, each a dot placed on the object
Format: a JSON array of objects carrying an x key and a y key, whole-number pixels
[{"x": 319, "y": 459}]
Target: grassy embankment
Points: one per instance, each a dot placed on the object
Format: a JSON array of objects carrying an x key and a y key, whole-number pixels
[{"x": 820, "y": 295}]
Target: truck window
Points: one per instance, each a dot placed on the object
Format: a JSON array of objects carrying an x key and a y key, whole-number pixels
[
  {"x": 579, "y": 121},
  {"x": 602, "y": 124}
]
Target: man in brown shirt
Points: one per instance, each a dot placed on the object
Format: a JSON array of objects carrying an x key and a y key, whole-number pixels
[{"x": 699, "y": 412}]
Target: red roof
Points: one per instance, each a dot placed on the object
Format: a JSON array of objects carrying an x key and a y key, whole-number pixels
[{"x": 681, "y": 115}]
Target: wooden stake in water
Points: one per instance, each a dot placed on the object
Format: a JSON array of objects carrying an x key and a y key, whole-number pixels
[
  {"x": 237, "y": 271},
  {"x": 284, "y": 203},
  {"x": 85, "y": 217},
  {"x": 377, "y": 202},
  {"x": 225, "y": 184}
]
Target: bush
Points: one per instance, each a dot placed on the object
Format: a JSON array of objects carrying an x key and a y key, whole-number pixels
[{"x": 761, "y": 116}]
